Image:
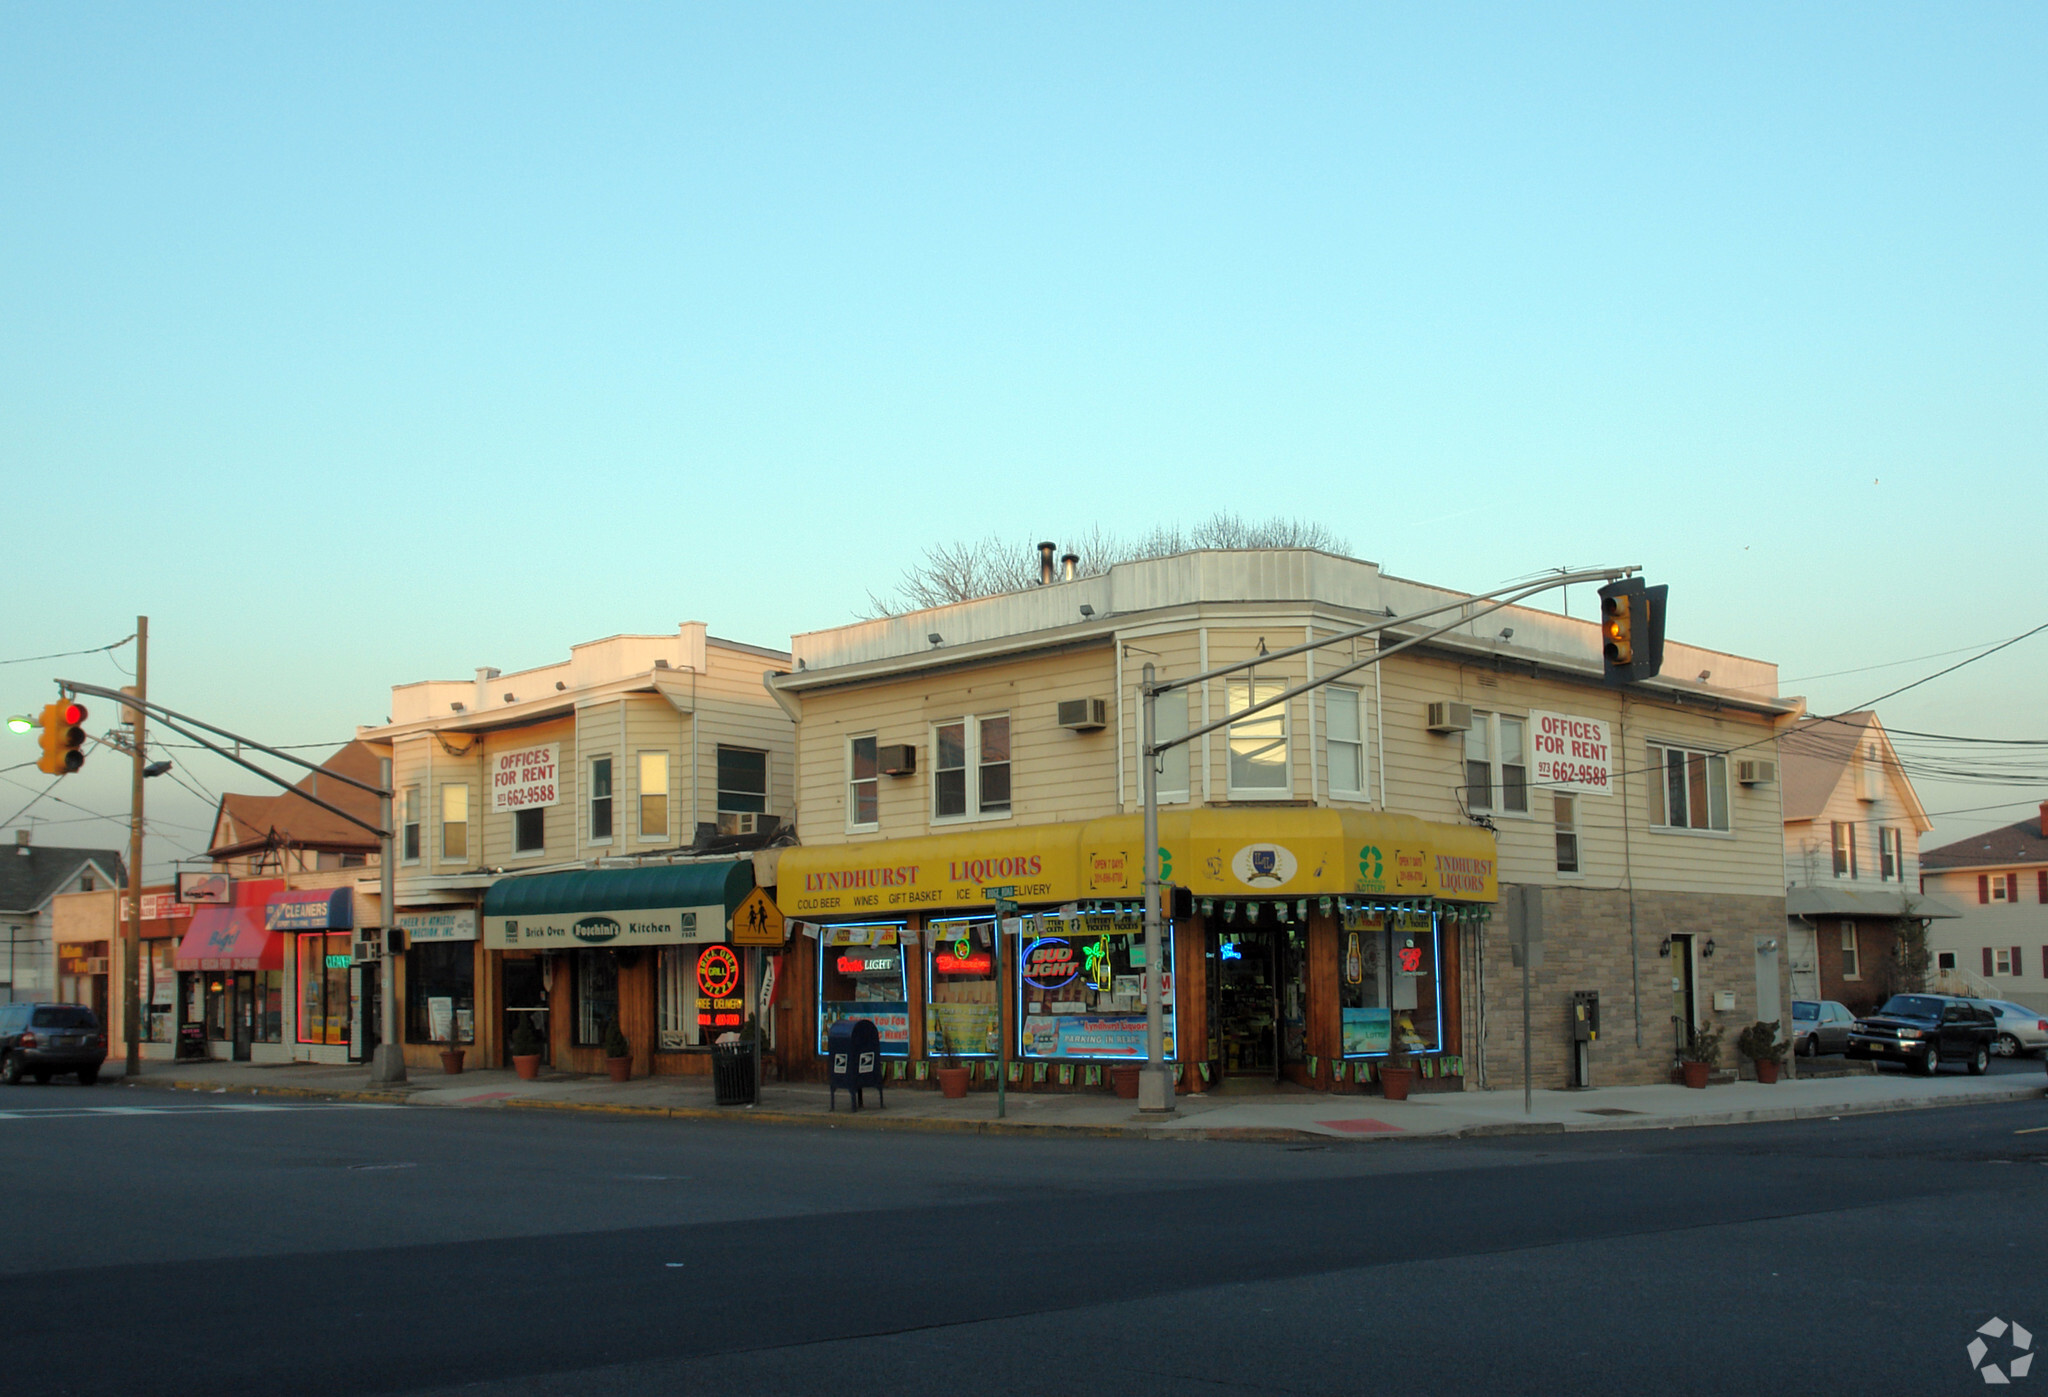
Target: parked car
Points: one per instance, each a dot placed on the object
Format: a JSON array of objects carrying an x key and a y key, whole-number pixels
[
  {"x": 2020, "y": 1030},
  {"x": 45, "y": 1040},
  {"x": 1925, "y": 1030},
  {"x": 1820, "y": 1026}
]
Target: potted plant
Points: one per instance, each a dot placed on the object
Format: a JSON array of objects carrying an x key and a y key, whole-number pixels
[
  {"x": 451, "y": 1051},
  {"x": 1761, "y": 1045},
  {"x": 618, "y": 1053},
  {"x": 1701, "y": 1056},
  {"x": 1397, "y": 1073},
  {"x": 526, "y": 1048}
]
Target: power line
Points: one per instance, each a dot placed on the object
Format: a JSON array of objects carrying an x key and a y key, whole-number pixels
[
  {"x": 1889, "y": 664},
  {"x": 67, "y": 654}
]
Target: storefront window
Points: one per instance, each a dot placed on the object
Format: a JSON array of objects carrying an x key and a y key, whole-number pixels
[
  {"x": 1387, "y": 982},
  {"x": 323, "y": 961},
  {"x": 1082, "y": 990},
  {"x": 860, "y": 976},
  {"x": 160, "y": 992},
  {"x": 269, "y": 999},
  {"x": 701, "y": 994},
  {"x": 597, "y": 995},
  {"x": 960, "y": 1016},
  {"x": 440, "y": 991}
]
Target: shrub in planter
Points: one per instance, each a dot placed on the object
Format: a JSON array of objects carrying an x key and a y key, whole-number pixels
[
  {"x": 618, "y": 1053},
  {"x": 526, "y": 1049},
  {"x": 1702, "y": 1054},
  {"x": 1761, "y": 1045}
]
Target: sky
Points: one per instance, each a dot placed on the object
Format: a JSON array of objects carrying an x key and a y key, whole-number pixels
[{"x": 362, "y": 344}]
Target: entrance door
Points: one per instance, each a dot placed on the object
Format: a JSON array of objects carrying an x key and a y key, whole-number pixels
[
  {"x": 1685, "y": 1015},
  {"x": 242, "y": 1011},
  {"x": 525, "y": 997},
  {"x": 1248, "y": 1025}
]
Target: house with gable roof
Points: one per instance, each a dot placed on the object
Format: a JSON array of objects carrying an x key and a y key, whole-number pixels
[
  {"x": 1998, "y": 947},
  {"x": 30, "y": 880}
]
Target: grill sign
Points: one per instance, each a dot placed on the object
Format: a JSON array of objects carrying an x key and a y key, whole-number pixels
[{"x": 718, "y": 972}]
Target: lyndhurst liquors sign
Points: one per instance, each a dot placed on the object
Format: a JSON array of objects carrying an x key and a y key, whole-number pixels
[
  {"x": 646, "y": 926},
  {"x": 525, "y": 779}
]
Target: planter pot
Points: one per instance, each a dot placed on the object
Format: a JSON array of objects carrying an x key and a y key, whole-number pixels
[
  {"x": 527, "y": 1067},
  {"x": 621, "y": 1068},
  {"x": 1123, "y": 1080},
  {"x": 1767, "y": 1072},
  {"x": 451, "y": 1061},
  {"x": 1395, "y": 1081},
  {"x": 953, "y": 1082},
  {"x": 1696, "y": 1074}
]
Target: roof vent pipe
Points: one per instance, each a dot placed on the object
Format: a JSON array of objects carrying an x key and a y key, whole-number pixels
[
  {"x": 1070, "y": 566},
  {"x": 1045, "y": 572}
]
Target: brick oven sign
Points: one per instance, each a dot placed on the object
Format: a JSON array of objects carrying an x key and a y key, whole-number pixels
[
  {"x": 524, "y": 780},
  {"x": 1574, "y": 756}
]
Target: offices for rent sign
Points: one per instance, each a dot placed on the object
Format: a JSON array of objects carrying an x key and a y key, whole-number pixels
[
  {"x": 525, "y": 779},
  {"x": 1574, "y": 756}
]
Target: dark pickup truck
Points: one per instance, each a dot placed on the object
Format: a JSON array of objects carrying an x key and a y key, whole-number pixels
[{"x": 1926, "y": 1030}]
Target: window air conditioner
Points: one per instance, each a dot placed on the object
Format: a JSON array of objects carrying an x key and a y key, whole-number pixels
[
  {"x": 897, "y": 760},
  {"x": 1756, "y": 773},
  {"x": 96, "y": 965},
  {"x": 1450, "y": 717},
  {"x": 743, "y": 821},
  {"x": 1083, "y": 715}
]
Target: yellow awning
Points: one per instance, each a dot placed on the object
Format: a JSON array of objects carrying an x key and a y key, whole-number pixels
[{"x": 1240, "y": 852}]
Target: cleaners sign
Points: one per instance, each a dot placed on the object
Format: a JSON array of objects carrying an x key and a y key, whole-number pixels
[
  {"x": 1573, "y": 755},
  {"x": 525, "y": 779}
]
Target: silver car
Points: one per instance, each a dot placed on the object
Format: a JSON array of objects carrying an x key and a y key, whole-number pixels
[
  {"x": 2021, "y": 1031},
  {"x": 1820, "y": 1026}
]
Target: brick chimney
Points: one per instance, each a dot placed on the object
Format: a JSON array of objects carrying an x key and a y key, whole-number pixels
[{"x": 2044, "y": 819}]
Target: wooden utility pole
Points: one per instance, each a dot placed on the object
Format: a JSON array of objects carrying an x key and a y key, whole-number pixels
[{"x": 131, "y": 936}]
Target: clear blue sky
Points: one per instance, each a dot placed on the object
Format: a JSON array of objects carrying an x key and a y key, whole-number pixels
[{"x": 373, "y": 343}]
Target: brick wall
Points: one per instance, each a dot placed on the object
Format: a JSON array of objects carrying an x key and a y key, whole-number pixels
[{"x": 1587, "y": 947}]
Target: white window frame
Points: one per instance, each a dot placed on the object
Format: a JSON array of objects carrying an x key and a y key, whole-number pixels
[
  {"x": 1843, "y": 833},
  {"x": 1170, "y": 713},
  {"x": 2000, "y": 890},
  {"x": 468, "y": 825},
  {"x": 409, "y": 825},
  {"x": 767, "y": 779},
  {"x": 1496, "y": 802},
  {"x": 1238, "y": 695},
  {"x": 1852, "y": 965},
  {"x": 542, "y": 847},
  {"x": 1661, "y": 790},
  {"x": 1564, "y": 815},
  {"x": 2001, "y": 960},
  {"x": 1348, "y": 699},
  {"x": 971, "y": 740},
  {"x": 640, "y": 793},
  {"x": 1891, "y": 854},
  {"x": 853, "y": 784},
  {"x": 610, "y": 798}
]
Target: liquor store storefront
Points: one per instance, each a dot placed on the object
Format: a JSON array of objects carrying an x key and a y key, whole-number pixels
[
  {"x": 1305, "y": 945},
  {"x": 661, "y": 951}
]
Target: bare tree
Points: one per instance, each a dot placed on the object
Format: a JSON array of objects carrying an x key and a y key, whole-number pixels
[{"x": 956, "y": 572}]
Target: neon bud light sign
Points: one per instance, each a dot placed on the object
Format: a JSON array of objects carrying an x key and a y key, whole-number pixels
[{"x": 1050, "y": 962}]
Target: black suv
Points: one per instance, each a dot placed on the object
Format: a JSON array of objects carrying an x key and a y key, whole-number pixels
[
  {"x": 42, "y": 1040},
  {"x": 1926, "y": 1030}
]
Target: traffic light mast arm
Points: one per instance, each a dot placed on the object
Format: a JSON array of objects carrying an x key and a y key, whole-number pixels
[{"x": 174, "y": 722}]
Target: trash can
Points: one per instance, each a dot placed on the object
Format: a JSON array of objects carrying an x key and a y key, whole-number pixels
[{"x": 735, "y": 1072}]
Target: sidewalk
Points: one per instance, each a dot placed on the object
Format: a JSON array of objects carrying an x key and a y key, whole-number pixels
[{"x": 1232, "y": 1115}]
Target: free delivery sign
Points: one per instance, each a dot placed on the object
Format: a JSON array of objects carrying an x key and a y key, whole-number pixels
[
  {"x": 1574, "y": 756},
  {"x": 525, "y": 779}
]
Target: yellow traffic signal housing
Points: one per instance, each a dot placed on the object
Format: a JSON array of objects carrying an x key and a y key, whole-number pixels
[
  {"x": 62, "y": 738},
  {"x": 1631, "y": 631},
  {"x": 1618, "y": 629}
]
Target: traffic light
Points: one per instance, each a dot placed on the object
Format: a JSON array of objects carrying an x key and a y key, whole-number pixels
[
  {"x": 62, "y": 738},
  {"x": 1631, "y": 631}
]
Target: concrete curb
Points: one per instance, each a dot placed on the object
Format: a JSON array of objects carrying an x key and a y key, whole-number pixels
[{"x": 877, "y": 1119}]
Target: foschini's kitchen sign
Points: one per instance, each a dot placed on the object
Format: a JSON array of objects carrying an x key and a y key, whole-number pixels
[{"x": 644, "y": 926}]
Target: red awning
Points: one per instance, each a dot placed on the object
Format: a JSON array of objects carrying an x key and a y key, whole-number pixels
[{"x": 230, "y": 938}]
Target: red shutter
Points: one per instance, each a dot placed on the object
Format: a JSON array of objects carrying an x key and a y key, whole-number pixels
[
  {"x": 1983, "y": 888},
  {"x": 2044, "y": 962},
  {"x": 2016, "y": 970},
  {"x": 1987, "y": 960},
  {"x": 2041, "y": 884},
  {"x": 2012, "y": 887}
]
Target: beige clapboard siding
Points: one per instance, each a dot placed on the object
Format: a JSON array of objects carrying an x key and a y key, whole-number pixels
[
  {"x": 495, "y": 830},
  {"x": 1054, "y": 774},
  {"x": 654, "y": 725},
  {"x": 1810, "y": 845},
  {"x": 1425, "y": 773}
]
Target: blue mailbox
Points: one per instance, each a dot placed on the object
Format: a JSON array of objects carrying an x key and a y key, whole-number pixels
[{"x": 855, "y": 1047}]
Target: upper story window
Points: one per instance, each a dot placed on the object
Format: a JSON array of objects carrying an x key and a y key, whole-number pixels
[
  {"x": 1497, "y": 764},
  {"x": 455, "y": 823},
  {"x": 1998, "y": 887},
  {"x": 1693, "y": 791},
  {"x": 85, "y": 882},
  {"x": 1891, "y": 861},
  {"x": 1169, "y": 720},
  {"x": 742, "y": 781},
  {"x": 1849, "y": 963},
  {"x": 409, "y": 830},
  {"x": 1845, "y": 848},
  {"x": 600, "y": 800},
  {"x": 971, "y": 767},
  {"x": 1258, "y": 744},
  {"x": 529, "y": 830},
  {"x": 1344, "y": 728},
  {"x": 863, "y": 782},
  {"x": 1565, "y": 815},
  {"x": 653, "y": 795}
]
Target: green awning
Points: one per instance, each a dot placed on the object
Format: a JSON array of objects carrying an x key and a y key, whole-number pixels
[{"x": 665, "y": 904}]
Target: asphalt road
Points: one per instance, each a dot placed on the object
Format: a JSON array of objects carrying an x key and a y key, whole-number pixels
[{"x": 160, "y": 1243}]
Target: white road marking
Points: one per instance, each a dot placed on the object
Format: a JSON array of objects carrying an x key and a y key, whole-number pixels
[{"x": 208, "y": 1109}]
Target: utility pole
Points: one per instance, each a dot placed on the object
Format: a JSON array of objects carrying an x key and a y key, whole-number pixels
[
  {"x": 131, "y": 937},
  {"x": 389, "y": 1062}
]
